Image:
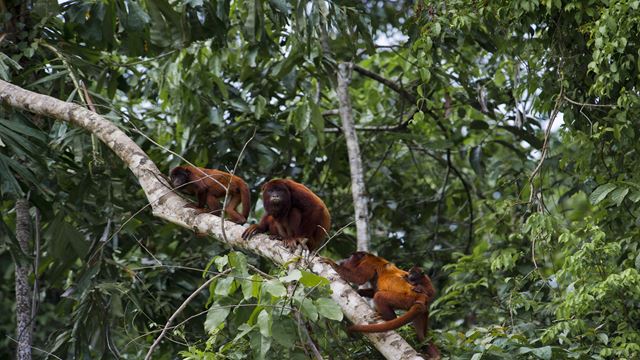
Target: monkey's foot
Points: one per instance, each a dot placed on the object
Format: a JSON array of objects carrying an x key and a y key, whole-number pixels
[{"x": 291, "y": 243}]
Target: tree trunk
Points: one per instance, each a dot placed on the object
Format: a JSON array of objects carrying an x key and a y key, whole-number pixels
[
  {"x": 23, "y": 291},
  {"x": 168, "y": 205},
  {"x": 360, "y": 199}
]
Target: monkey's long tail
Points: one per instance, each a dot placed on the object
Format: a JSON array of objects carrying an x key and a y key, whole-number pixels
[
  {"x": 413, "y": 312},
  {"x": 245, "y": 196}
]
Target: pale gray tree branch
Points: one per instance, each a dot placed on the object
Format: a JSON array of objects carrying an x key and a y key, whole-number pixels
[{"x": 169, "y": 206}]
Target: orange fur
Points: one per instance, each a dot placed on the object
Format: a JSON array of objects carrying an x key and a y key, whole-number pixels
[{"x": 391, "y": 290}]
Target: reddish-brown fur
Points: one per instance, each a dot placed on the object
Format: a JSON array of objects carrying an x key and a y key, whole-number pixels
[
  {"x": 391, "y": 291},
  {"x": 208, "y": 185},
  {"x": 421, "y": 282},
  {"x": 292, "y": 213}
]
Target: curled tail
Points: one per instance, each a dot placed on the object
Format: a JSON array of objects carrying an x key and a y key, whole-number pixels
[
  {"x": 245, "y": 196},
  {"x": 415, "y": 310}
]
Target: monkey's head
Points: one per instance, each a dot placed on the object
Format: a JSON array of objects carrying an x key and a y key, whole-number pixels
[
  {"x": 276, "y": 198},
  {"x": 363, "y": 263},
  {"x": 180, "y": 176},
  {"x": 416, "y": 275}
]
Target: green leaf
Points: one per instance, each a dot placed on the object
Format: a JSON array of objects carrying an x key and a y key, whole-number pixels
[
  {"x": 216, "y": 315},
  {"x": 543, "y": 352},
  {"x": 604, "y": 338},
  {"x": 294, "y": 275},
  {"x": 618, "y": 195},
  {"x": 285, "y": 332},
  {"x": 264, "y": 323},
  {"x": 329, "y": 309},
  {"x": 635, "y": 196},
  {"x": 251, "y": 287},
  {"x": 309, "y": 309},
  {"x": 280, "y": 5},
  {"x": 310, "y": 279},
  {"x": 260, "y": 345},
  {"x": 221, "y": 262},
  {"x": 225, "y": 286},
  {"x": 238, "y": 263},
  {"x": 275, "y": 288},
  {"x": 601, "y": 192}
]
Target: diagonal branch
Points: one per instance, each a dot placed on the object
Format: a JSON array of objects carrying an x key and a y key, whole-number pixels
[
  {"x": 170, "y": 207},
  {"x": 389, "y": 83}
]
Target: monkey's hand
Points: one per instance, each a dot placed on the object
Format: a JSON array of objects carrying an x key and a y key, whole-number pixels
[{"x": 250, "y": 231}]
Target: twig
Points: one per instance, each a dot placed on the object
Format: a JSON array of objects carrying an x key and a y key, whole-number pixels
[
  {"x": 441, "y": 197},
  {"x": 179, "y": 310},
  {"x": 545, "y": 146},
  {"x": 586, "y": 104},
  {"x": 226, "y": 195},
  {"x": 37, "y": 348}
]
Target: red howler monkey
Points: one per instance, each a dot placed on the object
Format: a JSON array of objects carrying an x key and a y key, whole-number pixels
[
  {"x": 421, "y": 282},
  {"x": 292, "y": 212},
  {"x": 208, "y": 185},
  {"x": 391, "y": 290}
]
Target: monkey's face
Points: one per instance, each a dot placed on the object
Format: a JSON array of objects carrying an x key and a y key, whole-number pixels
[
  {"x": 276, "y": 198},
  {"x": 179, "y": 176}
]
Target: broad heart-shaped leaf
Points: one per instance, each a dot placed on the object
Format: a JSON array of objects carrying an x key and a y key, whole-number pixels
[
  {"x": 260, "y": 345},
  {"x": 238, "y": 263},
  {"x": 264, "y": 323},
  {"x": 221, "y": 262},
  {"x": 541, "y": 353},
  {"x": 329, "y": 309},
  {"x": 309, "y": 309},
  {"x": 275, "y": 288},
  {"x": 310, "y": 279},
  {"x": 293, "y": 275},
  {"x": 618, "y": 195},
  {"x": 285, "y": 332},
  {"x": 225, "y": 286},
  {"x": 601, "y": 192},
  {"x": 251, "y": 286},
  {"x": 215, "y": 316}
]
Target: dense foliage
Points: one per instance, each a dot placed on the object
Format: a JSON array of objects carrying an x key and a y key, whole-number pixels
[{"x": 503, "y": 163}]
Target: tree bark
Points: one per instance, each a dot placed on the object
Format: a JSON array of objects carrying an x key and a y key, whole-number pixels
[
  {"x": 169, "y": 206},
  {"x": 360, "y": 199},
  {"x": 23, "y": 292}
]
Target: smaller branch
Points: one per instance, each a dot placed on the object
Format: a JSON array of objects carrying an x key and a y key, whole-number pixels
[
  {"x": 586, "y": 104},
  {"x": 443, "y": 190},
  {"x": 401, "y": 126},
  {"x": 389, "y": 83},
  {"x": 310, "y": 342},
  {"x": 545, "y": 147},
  {"x": 465, "y": 185},
  {"x": 177, "y": 312}
]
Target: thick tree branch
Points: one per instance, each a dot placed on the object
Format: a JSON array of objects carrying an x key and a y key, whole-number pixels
[
  {"x": 360, "y": 198},
  {"x": 169, "y": 206}
]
